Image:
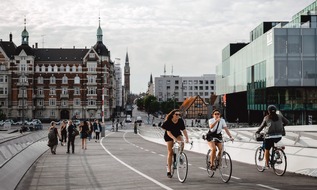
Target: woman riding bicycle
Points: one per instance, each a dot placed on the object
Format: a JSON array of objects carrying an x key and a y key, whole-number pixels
[
  {"x": 273, "y": 126},
  {"x": 216, "y": 124},
  {"x": 173, "y": 126}
]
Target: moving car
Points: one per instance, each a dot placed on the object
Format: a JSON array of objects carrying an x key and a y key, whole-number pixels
[{"x": 139, "y": 119}]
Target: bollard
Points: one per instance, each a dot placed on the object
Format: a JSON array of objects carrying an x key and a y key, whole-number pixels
[{"x": 103, "y": 130}]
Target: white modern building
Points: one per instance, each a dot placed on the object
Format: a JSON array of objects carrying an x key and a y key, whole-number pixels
[{"x": 180, "y": 88}]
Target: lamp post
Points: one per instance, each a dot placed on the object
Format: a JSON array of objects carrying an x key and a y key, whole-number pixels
[{"x": 23, "y": 89}]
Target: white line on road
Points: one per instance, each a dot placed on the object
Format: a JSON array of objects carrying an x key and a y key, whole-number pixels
[
  {"x": 153, "y": 152},
  {"x": 162, "y": 155},
  {"x": 268, "y": 187},
  {"x": 133, "y": 169}
]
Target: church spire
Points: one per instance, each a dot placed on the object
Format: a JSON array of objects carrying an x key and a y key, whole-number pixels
[
  {"x": 25, "y": 34},
  {"x": 127, "y": 58},
  {"x": 99, "y": 33}
]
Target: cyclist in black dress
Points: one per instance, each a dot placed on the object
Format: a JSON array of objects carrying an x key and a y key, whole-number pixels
[{"x": 174, "y": 126}]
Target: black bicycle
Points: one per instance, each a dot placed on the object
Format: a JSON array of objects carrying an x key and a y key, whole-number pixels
[{"x": 277, "y": 160}]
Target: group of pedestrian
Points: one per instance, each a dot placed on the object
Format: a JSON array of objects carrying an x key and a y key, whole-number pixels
[
  {"x": 174, "y": 127},
  {"x": 68, "y": 132}
]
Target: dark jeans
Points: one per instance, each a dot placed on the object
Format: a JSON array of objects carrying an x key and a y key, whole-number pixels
[
  {"x": 64, "y": 136},
  {"x": 97, "y": 135},
  {"x": 71, "y": 141}
]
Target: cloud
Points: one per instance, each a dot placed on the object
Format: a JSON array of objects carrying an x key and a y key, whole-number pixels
[{"x": 186, "y": 34}]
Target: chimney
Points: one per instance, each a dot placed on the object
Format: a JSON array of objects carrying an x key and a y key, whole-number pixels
[
  {"x": 36, "y": 45},
  {"x": 10, "y": 37}
]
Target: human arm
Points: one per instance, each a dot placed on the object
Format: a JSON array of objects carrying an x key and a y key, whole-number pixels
[
  {"x": 213, "y": 122},
  {"x": 169, "y": 133},
  {"x": 186, "y": 135},
  {"x": 228, "y": 133},
  {"x": 263, "y": 124}
]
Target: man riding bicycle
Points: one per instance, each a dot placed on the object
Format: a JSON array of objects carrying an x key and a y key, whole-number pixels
[
  {"x": 273, "y": 127},
  {"x": 214, "y": 136}
]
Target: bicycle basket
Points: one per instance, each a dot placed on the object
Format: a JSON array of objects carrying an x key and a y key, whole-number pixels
[{"x": 259, "y": 136}]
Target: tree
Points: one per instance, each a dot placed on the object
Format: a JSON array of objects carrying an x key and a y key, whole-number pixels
[
  {"x": 140, "y": 103},
  {"x": 149, "y": 102}
]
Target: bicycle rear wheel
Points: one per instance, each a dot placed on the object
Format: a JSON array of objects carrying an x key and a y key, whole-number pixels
[
  {"x": 209, "y": 171},
  {"x": 225, "y": 167},
  {"x": 280, "y": 162},
  {"x": 182, "y": 167},
  {"x": 259, "y": 159}
]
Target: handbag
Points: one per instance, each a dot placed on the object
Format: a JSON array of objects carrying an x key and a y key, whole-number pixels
[
  {"x": 211, "y": 135},
  {"x": 75, "y": 131}
]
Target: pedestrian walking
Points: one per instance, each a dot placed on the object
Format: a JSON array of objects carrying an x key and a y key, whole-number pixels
[
  {"x": 135, "y": 127},
  {"x": 97, "y": 129},
  {"x": 63, "y": 133},
  {"x": 84, "y": 133},
  {"x": 52, "y": 137},
  {"x": 71, "y": 130}
]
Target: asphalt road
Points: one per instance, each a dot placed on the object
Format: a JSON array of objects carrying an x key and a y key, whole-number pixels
[{"x": 123, "y": 160}]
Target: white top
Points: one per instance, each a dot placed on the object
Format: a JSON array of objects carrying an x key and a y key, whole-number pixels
[{"x": 222, "y": 125}]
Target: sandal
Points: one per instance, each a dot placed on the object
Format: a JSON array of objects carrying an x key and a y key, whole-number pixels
[{"x": 169, "y": 175}]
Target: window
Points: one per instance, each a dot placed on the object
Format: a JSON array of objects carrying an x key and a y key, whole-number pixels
[
  {"x": 64, "y": 103},
  {"x": 64, "y": 90},
  {"x": 40, "y": 80},
  {"x": 185, "y": 82},
  {"x": 80, "y": 68},
  {"x": 76, "y": 91},
  {"x": 52, "y": 113},
  {"x": 91, "y": 102},
  {"x": 52, "y": 101},
  {"x": 92, "y": 90},
  {"x": 206, "y": 88},
  {"x": 77, "y": 101},
  {"x": 37, "y": 68},
  {"x": 23, "y": 67},
  {"x": 49, "y": 68},
  {"x": 61, "y": 68},
  {"x": 77, "y": 80},
  {"x": 55, "y": 68},
  {"x": 201, "y": 88},
  {"x": 168, "y": 82},
  {"x": 206, "y": 81},
  {"x": 195, "y": 81},
  {"x": 74, "y": 68},
  {"x": 67, "y": 68},
  {"x": 64, "y": 80},
  {"x": 3, "y": 79},
  {"x": 40, "y": 91},
  {"x": 40, "y": 102},
  {"x": 91, "y": 79},
  {"x": 176, "y": 82},
  {"x": 53, "y": 80},
  {"x": 43, "y": 68},
  {"x": 4, "y": 91},
  {"x": 52, "y": 91},
  {"x": 23, "y": 79},
  {"x": 91, "y": 55},
  {"x": 92, "y": 67},
  {"x": 201, "y": 82}
]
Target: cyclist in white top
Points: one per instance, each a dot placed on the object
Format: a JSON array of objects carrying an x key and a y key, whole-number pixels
[{"x": 214, "y": 137}]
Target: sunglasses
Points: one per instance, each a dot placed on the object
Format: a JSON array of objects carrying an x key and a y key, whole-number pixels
[
  {"x": 177, "y": 114},
  {"x": 216, "y": 113}
]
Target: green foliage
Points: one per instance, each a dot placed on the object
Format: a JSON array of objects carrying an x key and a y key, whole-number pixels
[
  {"x": 140, "y": 103},
  {"x": 149, "y": 102}
]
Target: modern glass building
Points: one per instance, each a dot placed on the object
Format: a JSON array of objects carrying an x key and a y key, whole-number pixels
[{"x": 278, "y": 66}]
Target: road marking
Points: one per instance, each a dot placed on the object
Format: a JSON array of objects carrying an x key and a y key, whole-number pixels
[
  {"x": 153, "y": 152},
  {"x": 268, "y": 187},
  {"x": 162, "y": 155},
  {"x": 133, "y": 169},
  {"x": 202, "y": 168}
]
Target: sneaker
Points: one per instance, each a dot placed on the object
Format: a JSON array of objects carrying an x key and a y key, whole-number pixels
[
  {"x": 266, "y": 167},
  {"x": 169, "y": 175}
]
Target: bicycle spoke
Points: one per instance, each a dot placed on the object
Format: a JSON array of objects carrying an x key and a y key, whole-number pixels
[{"x": 182, "y": 167}]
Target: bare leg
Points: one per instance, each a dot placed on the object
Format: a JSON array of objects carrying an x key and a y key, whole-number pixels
[
  {"x": 169, "y": 155},
  {"x": 213, "y": 149}
]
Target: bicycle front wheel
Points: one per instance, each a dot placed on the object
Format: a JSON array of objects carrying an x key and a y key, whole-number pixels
[
  {"x": 259, "y": 159},
  {"x": 225, "y": 167},
  {"x": 182, "y": 167},
  {"x": 210, "y": 172},
  {"x": 280, "y": 162}
]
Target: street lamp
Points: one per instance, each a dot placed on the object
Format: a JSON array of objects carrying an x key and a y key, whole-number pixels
[{"x": 23, "y": 89}]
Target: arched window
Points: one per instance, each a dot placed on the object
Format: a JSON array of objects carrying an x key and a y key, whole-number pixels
[
  {"x": 55, "y": 68},
  {"x": 49, "y": 68},
  {"x": 80, "y": 68},
  {"x": 43, "y": 68},
  {"x": 67, "y": 68},
  {"x": 61, "y": 68},
  {"x": 74, "y": 68},
  {"x": 52, "y": 80},
  {"x": 37, "y": 68},
  {"x": 77, "y": 80},
  {"x": 64, "y": 79},
  {"x": 40, "y": 80}
]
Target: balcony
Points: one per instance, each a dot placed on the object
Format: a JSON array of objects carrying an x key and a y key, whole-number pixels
[
  {"x": 23, "y": 84},
  {"x": 20, "y": 95},
  {"x": 63, "y": 96},
  {"x": 38, "y": 107}
]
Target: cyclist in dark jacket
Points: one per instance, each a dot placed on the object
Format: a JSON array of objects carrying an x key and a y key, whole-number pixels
[{"x": 272, "y": 125}]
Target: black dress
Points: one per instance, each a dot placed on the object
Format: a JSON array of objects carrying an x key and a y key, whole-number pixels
[{"x": 174, "y": 128}]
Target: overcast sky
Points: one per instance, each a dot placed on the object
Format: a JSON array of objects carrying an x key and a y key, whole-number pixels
[{"x": 187, "y": 35}]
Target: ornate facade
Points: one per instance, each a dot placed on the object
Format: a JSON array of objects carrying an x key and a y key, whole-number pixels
[{"x": 56, "y": 83}]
